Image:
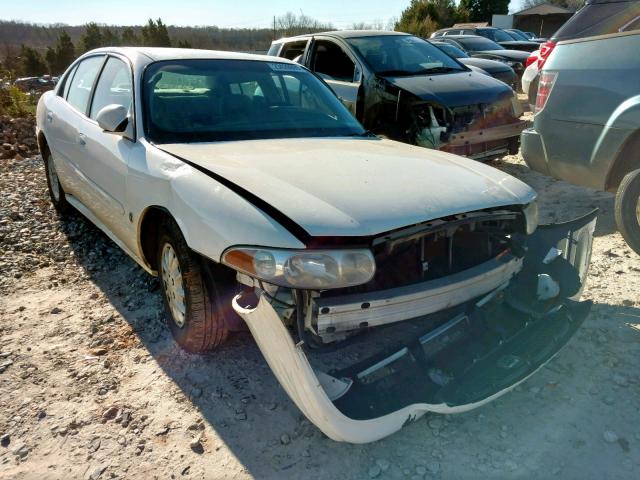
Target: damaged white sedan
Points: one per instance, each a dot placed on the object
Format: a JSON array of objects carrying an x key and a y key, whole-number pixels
[{"x": 380, "y": 280}]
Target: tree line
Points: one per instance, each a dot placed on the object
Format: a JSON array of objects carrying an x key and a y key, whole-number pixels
[
  {"x": 33, "y": 50},
  {"x": 31, "y": 61}
]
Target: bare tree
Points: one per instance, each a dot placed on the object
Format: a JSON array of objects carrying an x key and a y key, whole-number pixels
[
  {"x": 375, "y": 25},
  {"x": 291, "y": 24}
]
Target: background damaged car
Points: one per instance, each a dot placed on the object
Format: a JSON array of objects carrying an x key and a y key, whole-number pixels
[
  {"x": 380, "y": 280},
  {"x": 405, "y": 88}
]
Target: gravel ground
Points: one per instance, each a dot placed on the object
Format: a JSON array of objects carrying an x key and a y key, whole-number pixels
[{"x": 91, "y": 385}]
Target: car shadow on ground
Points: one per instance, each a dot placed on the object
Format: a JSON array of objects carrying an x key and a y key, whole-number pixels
[{"x": 237, "y": 395}]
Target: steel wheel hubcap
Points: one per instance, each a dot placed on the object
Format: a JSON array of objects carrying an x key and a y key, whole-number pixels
[
  {"x": 173, "y": 284},
  {"x": 53, "y": 178}
]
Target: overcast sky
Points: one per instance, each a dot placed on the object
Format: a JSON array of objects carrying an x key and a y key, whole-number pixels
[{"x": 229, "y": 13}]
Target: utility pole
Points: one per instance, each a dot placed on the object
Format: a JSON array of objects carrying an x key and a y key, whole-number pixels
[{"x": 274, "y": 28}]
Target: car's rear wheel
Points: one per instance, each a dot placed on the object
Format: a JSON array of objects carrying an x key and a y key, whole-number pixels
[
  {"x": 627, "y": 209},
  {"x": 195, "y": 315},
  {"x": 56, "y": 192}
]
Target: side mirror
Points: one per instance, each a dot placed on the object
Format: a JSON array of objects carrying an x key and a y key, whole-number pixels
[{"x": 113, "y": 118}]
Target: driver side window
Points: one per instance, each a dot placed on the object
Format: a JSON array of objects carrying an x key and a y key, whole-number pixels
[{"x": 332, "y": 63}]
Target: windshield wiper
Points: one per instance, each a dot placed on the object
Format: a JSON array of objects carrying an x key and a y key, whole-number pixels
[
  {"x": 407, "y": 73},
  {"x": 438, "y": 70}
]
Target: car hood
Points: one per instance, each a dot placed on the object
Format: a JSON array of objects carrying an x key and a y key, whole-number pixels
[
  {"x": 453, "y": 89},
  {"x": 492, "y": 66},
  {"x": 516, "y": 55},
  {"x": 355, "y": 187}
]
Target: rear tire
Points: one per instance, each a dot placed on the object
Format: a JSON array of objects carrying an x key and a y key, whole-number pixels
[
  {"x": 627, "y": 209},
  {"x": 195, "y": 315},
  {"x": 56, "y": 192}
]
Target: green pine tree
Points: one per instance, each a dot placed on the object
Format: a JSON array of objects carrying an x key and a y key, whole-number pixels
[
  {"x": 129, "y": 38},
  {"x": 482, "y": 10},
  {"x": 31, "y": 62},
  {"x": 92, "y": 37}
]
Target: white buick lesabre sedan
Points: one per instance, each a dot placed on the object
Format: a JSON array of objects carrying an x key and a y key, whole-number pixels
[{"x": 380, "y": 280}]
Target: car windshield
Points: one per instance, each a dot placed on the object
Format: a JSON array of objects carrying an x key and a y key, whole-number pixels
[
  {"x": 406, "y": 55},
  {"x": 476, "y": 44},
  {"x": 451, "y": 50},
  {"x": 217, "y": 100},
  {"x": 495, "y": 35}
]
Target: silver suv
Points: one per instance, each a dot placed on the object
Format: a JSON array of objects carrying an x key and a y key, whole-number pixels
[{"x": 586, "y": 128}]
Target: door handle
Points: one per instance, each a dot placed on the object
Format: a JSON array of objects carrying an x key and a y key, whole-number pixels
[
  {"x": 82, "y": 139},
  {"x": 50, "y": 117}
]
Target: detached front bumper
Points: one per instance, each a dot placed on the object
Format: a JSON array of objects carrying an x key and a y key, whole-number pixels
[
  {"x": 486, "y": 142},
  {"x": 479, "y": 350}
]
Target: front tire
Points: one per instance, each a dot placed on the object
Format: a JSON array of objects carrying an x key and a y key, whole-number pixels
[
  {"x": 195, "y": 317},
  {"x": 627, "y": 209},
  {"x": 56, "y": 192}
]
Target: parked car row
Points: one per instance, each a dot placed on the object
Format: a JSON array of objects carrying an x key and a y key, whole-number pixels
[
  {"x": 499, "y": 70},
  {"x": 480, "y": 47},
  {"x": 504, "y": 39},
  {"x": 259, "y": 199}
]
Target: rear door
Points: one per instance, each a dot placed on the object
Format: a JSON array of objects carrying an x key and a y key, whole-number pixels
[
  {"x": 65, "y": 119},
  {"x": 339, "y": 69}
]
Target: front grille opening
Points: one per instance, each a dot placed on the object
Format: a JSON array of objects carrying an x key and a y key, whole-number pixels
[{"x": 436, "y": 254}]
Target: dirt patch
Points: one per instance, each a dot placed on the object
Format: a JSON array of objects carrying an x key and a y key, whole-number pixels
[{"x": 91, "y": 385}]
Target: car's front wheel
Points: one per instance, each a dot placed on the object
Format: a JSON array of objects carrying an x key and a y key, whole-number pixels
[
  {"x": 56, "y": 192},
  {"x": 195, "y": 316},
  {"x": 627, "y": 209}
]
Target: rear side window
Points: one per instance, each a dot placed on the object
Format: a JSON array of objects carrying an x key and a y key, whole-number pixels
[
  {"x": 82, "y": 82},
  {"x": 273, "y": 49},
  {"x": 67, "y": 81},
  {"x": 600, "y": 19},
  {"x": 113, "y": 88},
  {"x": 292, "y": 50}
]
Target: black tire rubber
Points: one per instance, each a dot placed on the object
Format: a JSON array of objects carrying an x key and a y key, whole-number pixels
[
  {"x": 627, "y": 198},
  {"x": 204, "y": 326},
  {"x": 61, "y": 205}
]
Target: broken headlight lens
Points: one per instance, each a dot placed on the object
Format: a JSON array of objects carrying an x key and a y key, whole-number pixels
[
  {"x": 530, "y": 212},
  {"x": 304, "y": 269}
]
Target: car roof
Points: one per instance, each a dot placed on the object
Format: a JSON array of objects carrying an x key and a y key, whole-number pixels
[
  {"x": 343, "y": 34},
  {"x": 143, "y": 55}
]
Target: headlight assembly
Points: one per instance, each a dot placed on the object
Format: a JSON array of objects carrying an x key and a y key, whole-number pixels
[
  {"x": 530, "y": 212},
  {"x": 303, "y": 269}
]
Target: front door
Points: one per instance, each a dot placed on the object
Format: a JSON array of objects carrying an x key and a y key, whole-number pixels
[{"x": 330, "y": 61}]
